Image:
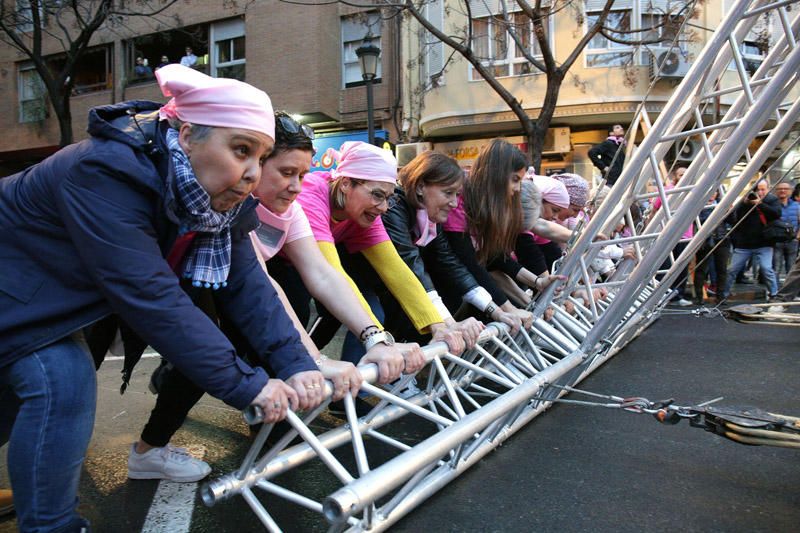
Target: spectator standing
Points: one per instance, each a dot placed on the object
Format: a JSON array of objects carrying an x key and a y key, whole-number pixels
[
  {"x": 189, "y": 60},
  {"x": 605, "y": 157},
  {"x": 752, "y": 213},
  {"x": 713, "y": 253},
  {"x": 784, "y": 253},
  {"x": 679, "y": 285},
  {"x": 163, "y": 62},
  {"x": 142, "y": 70}
]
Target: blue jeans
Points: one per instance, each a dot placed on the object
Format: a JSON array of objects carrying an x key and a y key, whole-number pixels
[
  {"x": 783, "y": 255},
  {"x": 47, "y": 404},
  {"x": 762, "y": 257}
]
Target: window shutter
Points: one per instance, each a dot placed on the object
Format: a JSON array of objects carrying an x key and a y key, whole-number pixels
[
  {"x": 598, "y": 5},
  {"x": 434, "y": 48}
]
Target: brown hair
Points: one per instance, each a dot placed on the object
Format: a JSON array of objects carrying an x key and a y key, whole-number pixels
[
  {"x": 494, "y": 219},
  {"x": 428, "y": 168}
]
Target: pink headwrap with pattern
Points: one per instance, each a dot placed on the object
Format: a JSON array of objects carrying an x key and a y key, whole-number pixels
[
  {"x": 220, "y": 102},
  {"x": 577, "y": 188},
  {"x": 363, "y": 161}
]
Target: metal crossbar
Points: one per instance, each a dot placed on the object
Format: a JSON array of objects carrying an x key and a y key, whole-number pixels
[{"x": 473, "y": 402}]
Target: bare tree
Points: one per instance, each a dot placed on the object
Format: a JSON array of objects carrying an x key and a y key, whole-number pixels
[
  {"x": 515, "y": 18},
  {"x": 29, "y": 25}
]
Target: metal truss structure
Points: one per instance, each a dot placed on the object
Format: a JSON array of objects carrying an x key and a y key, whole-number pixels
[{"x": 472, "y": 403}]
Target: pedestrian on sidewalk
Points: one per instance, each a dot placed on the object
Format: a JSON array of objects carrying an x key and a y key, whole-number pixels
[
  {"x": 715, "y": 252},
  {"x": 753, "y": 212},
  {"x": 609, "y": 155},
  {"x": 784, "y": 253}
]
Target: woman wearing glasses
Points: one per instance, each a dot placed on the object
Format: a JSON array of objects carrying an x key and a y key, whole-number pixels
[{"x": 344, "y": 208}]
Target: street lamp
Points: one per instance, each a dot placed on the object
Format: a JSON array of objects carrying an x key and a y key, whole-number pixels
[{"x": 368, "y": 56}]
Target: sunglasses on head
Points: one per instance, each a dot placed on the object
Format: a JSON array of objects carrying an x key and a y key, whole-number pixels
[{"x": 292, "y": 127}]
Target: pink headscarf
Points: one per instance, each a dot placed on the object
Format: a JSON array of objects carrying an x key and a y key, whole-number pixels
[
  {"x": 364, "y": 161},
  {"x": 221, "y": 102},
  {"x": 552, "y": 190},
  {"x": 577, "y": 188}
]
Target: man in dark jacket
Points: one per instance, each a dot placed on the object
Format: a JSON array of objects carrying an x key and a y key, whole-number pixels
[
  {"x": 751, "y": 215},
  {"x": 90, "y": 231},
  {"x": 609, "y": 155}
]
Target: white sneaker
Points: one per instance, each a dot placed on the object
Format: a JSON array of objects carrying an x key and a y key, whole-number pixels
[
  {"x": 683, "y": 302},
  {"x": 169, "y": 462},
  {"x": 776, "y": 309}
]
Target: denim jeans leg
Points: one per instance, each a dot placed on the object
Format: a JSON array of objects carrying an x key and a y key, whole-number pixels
[
  {"x": 738, "y": 263},
  {"x": 789, "y": 255},
  {"x": 56, "y": 389},
  {"x": 764, "y": 258},
  {"x": 778, "y": 253},
  {"x": 791, "y": 285}
]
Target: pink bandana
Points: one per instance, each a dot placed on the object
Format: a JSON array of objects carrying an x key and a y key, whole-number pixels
[
  {"x": 552, "y": 190},
  {"x": 364, "y": 161},
  {"x": 221, "y": 102}
]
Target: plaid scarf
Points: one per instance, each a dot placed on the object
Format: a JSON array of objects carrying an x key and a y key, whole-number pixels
[{"x": 187, "y": 204}]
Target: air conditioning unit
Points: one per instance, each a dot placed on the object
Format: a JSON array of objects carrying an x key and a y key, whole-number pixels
[
  {"x": 687, "y": 150},
  {"x": 666, "y": 63},
  {"x": 406, "y": 152},
  {"x": 557, "y": 141}
]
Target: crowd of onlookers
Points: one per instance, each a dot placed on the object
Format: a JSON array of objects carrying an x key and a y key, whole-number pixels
[{"x": 142, "y": 69}]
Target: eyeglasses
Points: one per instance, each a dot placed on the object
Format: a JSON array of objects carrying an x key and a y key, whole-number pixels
[
  {"x": 292, "y": 127},
  {"x": 377, "y": 195}
]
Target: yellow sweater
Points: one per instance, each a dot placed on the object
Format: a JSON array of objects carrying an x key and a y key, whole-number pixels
[{"x": 399, "y": 279}]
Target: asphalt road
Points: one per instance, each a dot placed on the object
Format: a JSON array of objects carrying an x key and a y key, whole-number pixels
[{"x": 572, "y": 469}]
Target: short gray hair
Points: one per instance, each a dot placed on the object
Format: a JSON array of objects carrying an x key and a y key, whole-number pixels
[
  {"x": 199, "y": 131},
  {"x": 531, "y": 203}
]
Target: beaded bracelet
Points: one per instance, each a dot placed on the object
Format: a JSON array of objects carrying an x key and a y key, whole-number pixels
[{"x": 364, "y": 336}]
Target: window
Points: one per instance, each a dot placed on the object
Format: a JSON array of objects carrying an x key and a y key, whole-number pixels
[
  {"x": 433, "y": 47},
  {"x": 24, "y": 16},
  {"x": 354, "y": 30},
  {"x": 494, "y": 45},
  {"x": 92, "y": 73},
  {"x": 32, "y": 102},
  {"x": 228, "y": 52},
  {"x": 166, "y": 47},
  {"x": 633, "y": 20}
]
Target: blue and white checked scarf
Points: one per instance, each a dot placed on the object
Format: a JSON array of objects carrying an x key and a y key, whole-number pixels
[{"x": 208, "y": 262}]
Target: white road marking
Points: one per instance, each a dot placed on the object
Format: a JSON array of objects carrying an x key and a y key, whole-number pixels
[
  {"x": 172, "y": 508},
  {"x": 145, "y": 355}
]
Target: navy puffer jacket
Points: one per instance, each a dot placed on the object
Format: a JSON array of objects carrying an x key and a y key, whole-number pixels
[{"x": 83, "y": 234}]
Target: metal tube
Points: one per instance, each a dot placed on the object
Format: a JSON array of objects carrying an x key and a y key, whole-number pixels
[{"x": 361, "y": 492}]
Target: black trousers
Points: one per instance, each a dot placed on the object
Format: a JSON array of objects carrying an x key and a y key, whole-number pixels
[{"x": 703, "y": 261}]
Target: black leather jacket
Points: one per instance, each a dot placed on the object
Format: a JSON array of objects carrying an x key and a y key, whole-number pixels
[{"x": 435, "y": 261}]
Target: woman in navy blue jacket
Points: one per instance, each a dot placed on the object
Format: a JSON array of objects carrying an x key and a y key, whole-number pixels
[{"x": 103, "y": 226}]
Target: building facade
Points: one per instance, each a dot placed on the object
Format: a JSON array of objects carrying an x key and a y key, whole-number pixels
[
  {"x": 449, "y": 107},
  {"x": 302, "y": 56}
]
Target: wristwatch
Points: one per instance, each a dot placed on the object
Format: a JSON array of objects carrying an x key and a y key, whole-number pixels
[{"x": 383, "y": 337}]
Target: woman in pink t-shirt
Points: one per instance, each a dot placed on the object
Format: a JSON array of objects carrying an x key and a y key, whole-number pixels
[{"x": 343, "y": 208}]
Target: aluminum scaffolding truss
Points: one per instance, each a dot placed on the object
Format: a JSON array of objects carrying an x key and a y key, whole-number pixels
[{"x": 472, "y": 403}]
